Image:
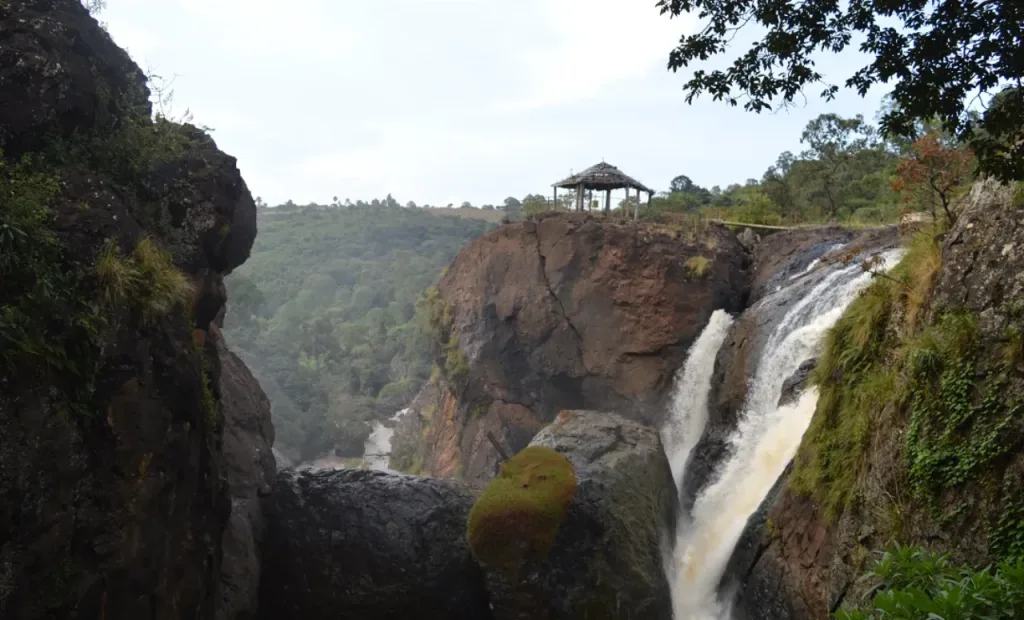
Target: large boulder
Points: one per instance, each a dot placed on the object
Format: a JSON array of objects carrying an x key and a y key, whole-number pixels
[
  {"x": 607, "y": 558},
  {"x": 369, "y": 545},
  {"x": 568, "y": 311}
]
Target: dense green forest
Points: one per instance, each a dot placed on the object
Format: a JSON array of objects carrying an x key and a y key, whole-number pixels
[{"x": 325, "y": 313}]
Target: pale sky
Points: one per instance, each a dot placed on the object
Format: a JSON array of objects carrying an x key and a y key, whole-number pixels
[{"x": 441, "y": 101}]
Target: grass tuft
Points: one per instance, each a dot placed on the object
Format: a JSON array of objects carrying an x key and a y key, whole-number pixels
[{"x": 698, "y": 266}]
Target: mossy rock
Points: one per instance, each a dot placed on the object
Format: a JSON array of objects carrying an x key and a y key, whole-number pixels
[{"x": 518, "y": 515}]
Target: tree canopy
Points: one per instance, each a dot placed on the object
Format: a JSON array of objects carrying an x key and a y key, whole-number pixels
[{"x": 940, "y": 55}]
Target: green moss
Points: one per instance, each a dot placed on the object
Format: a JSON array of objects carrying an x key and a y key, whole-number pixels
[
  {"x": 698, "y": 266},
  {"x": 518, "y": 515},
  {"x": 860, "y": 372}
]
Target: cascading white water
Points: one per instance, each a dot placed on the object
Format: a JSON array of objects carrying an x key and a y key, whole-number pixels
[
  {"x": 689, "y": 414},
  {"x": 377, "y": 448},
  {"x": 765, "y": 440}
]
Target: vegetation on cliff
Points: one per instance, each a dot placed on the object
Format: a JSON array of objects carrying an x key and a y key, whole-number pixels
[
  {"x": 327, "y": 311},
  {"x": 919, "y": 427}
]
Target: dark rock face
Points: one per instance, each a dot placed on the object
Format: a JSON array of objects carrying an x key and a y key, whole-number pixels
[
  {"x": 60, "y": 72},
  {"x": 369, "y": 545},
  {"x": 572, "y": 312},
  {"x": 119, "y": 512},
  {"x": 250, "y": 469},
  {"x": 607, "y": 558}
]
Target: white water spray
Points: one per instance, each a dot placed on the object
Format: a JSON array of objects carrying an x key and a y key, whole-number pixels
[
  {"x": 376, "y": 451},
  {"x": 689, "y": 412},
  {"x": 377, "y": 448},
  {"x": 765, "y": 440}
]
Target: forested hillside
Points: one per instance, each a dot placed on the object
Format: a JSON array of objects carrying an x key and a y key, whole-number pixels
[{"x": 325, "y": 313}]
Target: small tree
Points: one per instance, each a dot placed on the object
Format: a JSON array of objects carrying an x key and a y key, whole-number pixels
[{"x": 933, "y": 172}]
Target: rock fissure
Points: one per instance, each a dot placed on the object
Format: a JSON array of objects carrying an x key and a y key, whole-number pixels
[{"x": 558, "y": 302}]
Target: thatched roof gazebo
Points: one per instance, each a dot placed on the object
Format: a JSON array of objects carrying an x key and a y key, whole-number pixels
[{"x": 605, "y": 177}]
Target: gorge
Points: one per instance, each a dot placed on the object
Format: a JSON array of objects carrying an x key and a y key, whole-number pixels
[{"x": 585, "y": 417}]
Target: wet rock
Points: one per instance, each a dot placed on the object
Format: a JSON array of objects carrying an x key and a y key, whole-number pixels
[
  {"x": 369, "y": 545},
  {"x": 747, "y": 238},
  {"x": 116, "y": 508},
  {"x": 607, "y": 558},
  {"x": 795, "y": 384}
]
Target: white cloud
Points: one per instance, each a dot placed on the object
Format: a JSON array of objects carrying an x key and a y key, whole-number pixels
[
  {"x": 441, "y": 101},
  {"x": 590, "y": 46}
]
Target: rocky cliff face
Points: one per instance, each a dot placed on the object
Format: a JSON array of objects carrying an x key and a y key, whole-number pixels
[
  {"x": 115, "y": 387},
  {"x": 567, "y": 312},
  {"x": 803, "y": 553}
]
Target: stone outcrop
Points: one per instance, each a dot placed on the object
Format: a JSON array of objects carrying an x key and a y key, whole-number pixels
[
  {"x": 114, "y": 490},
  {"x": 369, "y": 545},
  {"x": 569, "y": 312},
  {"x": 250, "y": 469},
  {"x": 607, "y": 558}
]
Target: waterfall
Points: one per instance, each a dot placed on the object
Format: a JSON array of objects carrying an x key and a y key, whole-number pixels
[
  {"x": 689, "y": 413},
  {"x": 766, "y": 438},
  {"x": 377, "y": 448}
]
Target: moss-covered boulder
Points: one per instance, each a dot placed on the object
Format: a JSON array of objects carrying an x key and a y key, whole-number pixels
[
  {"x": 606, "y": 558},
  {"x": 518, "y": 515}
]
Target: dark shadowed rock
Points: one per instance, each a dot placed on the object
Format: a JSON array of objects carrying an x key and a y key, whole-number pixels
[
  {"x": 60, "y": 73},
  {"x": 116, "y": 508},
  {"x": 607, "y": 557},
  {"x": 249, "y": 466},
  {"x": 369, "y": 545}
]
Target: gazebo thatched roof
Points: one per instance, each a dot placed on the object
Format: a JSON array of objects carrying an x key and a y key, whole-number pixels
[{"x": 602, "y": 176}]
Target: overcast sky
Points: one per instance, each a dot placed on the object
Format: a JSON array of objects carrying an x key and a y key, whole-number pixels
[{"x": 440, "y": 101}]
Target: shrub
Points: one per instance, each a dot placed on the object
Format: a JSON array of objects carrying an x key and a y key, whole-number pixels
[
  {"x": 918, "y": 585},
  {"x": 518, "y": 515}
]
